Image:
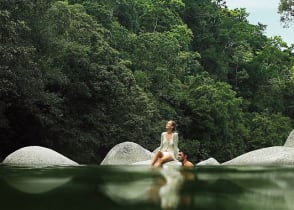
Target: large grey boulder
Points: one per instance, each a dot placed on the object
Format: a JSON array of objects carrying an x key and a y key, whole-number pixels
[
  {"x": 277, "y": 155},
  {"x": 126, "y": 153},
  {"x": 290, "y": 140},
  {"x": 37, "y": 156},
  {"x": 208, "y": 162}
]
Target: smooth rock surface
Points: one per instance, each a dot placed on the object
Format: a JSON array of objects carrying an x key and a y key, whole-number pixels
[
  {"x": 290, "y": 140},
  {"x": 126, "y": 153},
  {"x": 277, "y": 155},
  {"x": 209, "y": 161},
  {"x": 37, "y": 156}
]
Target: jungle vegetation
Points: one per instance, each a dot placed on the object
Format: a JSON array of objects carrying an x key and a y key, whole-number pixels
[{"x": 80, "y": 76}]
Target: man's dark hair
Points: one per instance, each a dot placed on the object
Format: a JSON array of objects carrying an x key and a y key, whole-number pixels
[{"x": 186, "y": 153}]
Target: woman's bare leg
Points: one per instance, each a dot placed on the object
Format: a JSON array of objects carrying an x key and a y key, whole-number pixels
[
  {"x": 163, "y": 159},
  {"x": 155, "y": 157}
]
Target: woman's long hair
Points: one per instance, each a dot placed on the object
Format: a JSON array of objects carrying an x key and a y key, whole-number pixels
[{"x": 174, "y": 125}]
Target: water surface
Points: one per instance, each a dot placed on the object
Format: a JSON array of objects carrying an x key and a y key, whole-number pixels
[{"x": 141, "y": 188}]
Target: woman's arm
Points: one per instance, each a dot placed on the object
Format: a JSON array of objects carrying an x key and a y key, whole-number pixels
[{"x": 161, "y": 142}]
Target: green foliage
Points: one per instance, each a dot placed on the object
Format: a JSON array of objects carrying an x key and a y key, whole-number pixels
[
  {"x": 269, "y": 74},
  {"x": 101, "y": 99},
  {"x": 216, "y": 116},
  {"x": 267, "y": 130},
  {"x": 21, "y": 85},
  {"x": 288, "y": 93},
  {"x": 157, "y": 15},
  {"x": 193, "y": 149},
  {"x": 286, "y": 11},
  {"x": 81, "y": 76}
]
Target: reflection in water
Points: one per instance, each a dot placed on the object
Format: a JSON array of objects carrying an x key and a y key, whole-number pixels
[
  {"x": 137, "y": 188},
  {"x": 36, "y": 185},
  {"x": 259, "y": 188},
  {"x": 169, "y": 193},
  {"x": 131, "y": 192},
  {"x": 34, "y": 180},
  {"x": 164, "y": 189}
]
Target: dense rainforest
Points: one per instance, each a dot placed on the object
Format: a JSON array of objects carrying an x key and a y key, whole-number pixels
[{"x": 80, "y": 76}]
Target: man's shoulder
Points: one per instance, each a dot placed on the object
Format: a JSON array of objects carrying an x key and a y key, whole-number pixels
[{"x": 188, "y": 164}]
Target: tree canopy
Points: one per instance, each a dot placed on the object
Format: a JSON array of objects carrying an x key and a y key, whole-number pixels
[
  {"x": 286, "y": 9},
  {"x": 80, "y": 76}
]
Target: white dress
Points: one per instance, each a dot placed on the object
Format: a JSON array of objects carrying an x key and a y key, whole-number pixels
[{"x": 170, "y": 146}]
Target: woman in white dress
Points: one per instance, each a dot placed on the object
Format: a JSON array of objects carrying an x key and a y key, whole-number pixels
[{"x": 168, "y": 149}]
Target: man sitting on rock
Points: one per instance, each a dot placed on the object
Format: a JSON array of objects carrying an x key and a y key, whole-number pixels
[{"x": 183, "y": 158}]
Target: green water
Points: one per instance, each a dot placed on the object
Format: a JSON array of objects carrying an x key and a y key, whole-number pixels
[{"x": 139, "y": 188}]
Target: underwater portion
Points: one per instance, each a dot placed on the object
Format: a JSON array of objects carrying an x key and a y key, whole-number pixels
[{"x": 141, "y": 188}]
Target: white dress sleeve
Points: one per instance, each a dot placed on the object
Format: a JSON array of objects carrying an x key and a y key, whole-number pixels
[
  {"x": 176, "y": 143},
  {"x": 161, "y": 141}
]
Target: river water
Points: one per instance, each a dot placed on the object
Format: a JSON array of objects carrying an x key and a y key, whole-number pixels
[{"x": 142, "y": 188}]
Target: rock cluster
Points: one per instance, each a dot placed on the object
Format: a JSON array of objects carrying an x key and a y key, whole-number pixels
[{"x": 130, "y": 153}]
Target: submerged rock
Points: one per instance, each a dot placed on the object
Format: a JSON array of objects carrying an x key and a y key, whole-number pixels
[
  {"x": 277, "y": 155},
  {"x": 37, "y": 156},
  {"x": 126, "y": 153}
]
